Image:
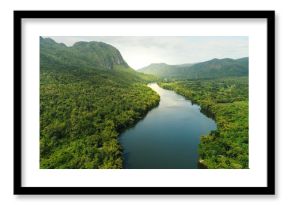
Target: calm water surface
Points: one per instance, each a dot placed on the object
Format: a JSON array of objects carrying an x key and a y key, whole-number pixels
[{"x": 168, "y": 137}]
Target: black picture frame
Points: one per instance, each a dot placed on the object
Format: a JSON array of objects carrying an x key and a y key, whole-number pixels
[{"x": 268, "y": 190}]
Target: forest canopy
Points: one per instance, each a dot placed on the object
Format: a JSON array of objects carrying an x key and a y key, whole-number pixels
[
  {"x": 225, "y": 100},
  {"x": 89, "y": 95},
  {"x": 86, "y": 103}
]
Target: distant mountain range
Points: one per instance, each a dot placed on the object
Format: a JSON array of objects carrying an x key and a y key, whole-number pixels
[
  {"x": 209, "y": 69},
  {"x": 82, "y": 55},
  {"x": 92, "y": 56}
]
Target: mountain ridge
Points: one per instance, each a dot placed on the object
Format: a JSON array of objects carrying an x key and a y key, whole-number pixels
[
  {"x": 208, "y": 69},
  {"x": 81, "y": 55}
]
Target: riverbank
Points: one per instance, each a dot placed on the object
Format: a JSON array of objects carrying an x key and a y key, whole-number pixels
[
  {"x": 81, "y": 117},
  {"x": 168, "y": 136},
  {"x": 226, "y": 101}
]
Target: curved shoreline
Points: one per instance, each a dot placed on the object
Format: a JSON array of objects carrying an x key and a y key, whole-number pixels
[{"x": 174, "y": 118}]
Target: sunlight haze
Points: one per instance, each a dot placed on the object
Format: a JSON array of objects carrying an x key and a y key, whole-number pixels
[{"x": 140, "y": 51}]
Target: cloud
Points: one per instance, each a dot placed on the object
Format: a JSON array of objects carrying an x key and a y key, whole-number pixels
[{"x": 140, "y": 51}]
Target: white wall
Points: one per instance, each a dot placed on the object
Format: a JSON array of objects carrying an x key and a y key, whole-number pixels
[{"x": 282, "y": 99}]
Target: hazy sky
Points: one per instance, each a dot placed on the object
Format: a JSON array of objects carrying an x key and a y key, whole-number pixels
[{"x": 140, "y": 51}]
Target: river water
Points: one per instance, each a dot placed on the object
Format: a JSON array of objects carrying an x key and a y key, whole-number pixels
[{"x": 168, "y": 137}]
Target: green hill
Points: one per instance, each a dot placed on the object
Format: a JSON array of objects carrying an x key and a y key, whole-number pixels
[
  {"x": 214, "y": 68},
  {"x": 88, "y": 95},
  {"x": 82, "y": 55}
]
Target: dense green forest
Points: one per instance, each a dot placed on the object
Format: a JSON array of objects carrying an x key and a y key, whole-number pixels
[
  {"x": 88, "y": 95},
  {"x": 214, "y": 68},
  {"x": 225, "y": 100}
]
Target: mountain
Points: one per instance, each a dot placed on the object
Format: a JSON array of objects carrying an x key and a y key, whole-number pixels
[
  {"x": 88, "y": 96},
  {"x": 82, "y": 55},
  {"x": 209, "y": 69}
]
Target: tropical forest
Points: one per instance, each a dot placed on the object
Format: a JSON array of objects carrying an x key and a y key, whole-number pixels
[{"x": 97, "y": 112}]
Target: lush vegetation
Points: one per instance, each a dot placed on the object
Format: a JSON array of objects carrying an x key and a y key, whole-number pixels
[
  {"x": 89, "y": 94},
  {"x": 225, "y": 100},
  {"x": 214, "y": 68},
  {"x": 85, "y": 102}
]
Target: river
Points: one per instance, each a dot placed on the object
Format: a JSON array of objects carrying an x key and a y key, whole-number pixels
[{"x": 168, "y": 136}]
